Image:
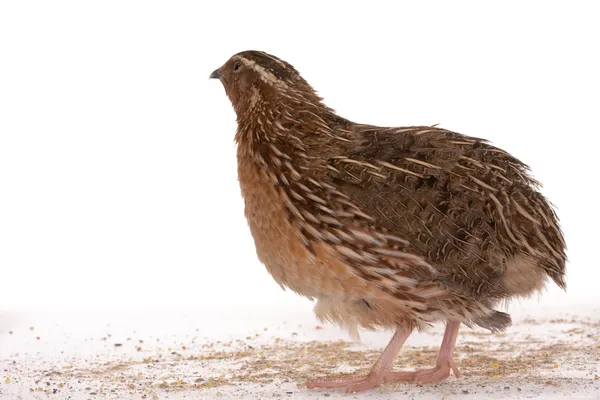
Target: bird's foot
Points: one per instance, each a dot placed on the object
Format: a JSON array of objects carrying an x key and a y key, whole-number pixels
[
  {"x": 440, "y": 372},
  {"x": 359, "y": 383},
  {"x": 350, "y": 384}
]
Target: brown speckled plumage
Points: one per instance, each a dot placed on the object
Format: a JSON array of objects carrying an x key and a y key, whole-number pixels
[{"x": 384, "y": 227}]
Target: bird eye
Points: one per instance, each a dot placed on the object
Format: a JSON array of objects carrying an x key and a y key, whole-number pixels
[{"x": 237, "y": 66}]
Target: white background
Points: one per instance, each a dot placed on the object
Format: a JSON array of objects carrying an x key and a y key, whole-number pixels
[{"x": 118, "y": 178}]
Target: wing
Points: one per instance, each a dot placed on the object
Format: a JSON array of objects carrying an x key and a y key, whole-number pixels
[
  {"x": 466, "y": 205},
  {"x": 328, "y": 216}
]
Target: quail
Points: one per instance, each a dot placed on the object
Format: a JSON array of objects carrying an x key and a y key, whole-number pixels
[{"x": 385, "y": 227}]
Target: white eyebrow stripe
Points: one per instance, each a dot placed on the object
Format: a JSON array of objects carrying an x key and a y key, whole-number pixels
[{"x": 265, "y": 75}]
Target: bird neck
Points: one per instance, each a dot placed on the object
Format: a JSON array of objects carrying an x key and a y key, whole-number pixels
[
  {"x": 285, "y": 120},
  {"x": 280, "y": 139}
]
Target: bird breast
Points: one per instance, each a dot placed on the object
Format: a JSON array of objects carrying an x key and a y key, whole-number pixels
[{"x": 282, "y": 249}]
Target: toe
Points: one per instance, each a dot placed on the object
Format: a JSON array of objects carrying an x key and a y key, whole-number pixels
[
  {"x": 434, "y": 376},
  {"x": 439, "y": 373},
  {"x": 399, "y": 376},
  {"x": 367, "y": 384}
]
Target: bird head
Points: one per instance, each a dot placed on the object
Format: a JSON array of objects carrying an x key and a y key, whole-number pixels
[{"x": 251, "y": 78}]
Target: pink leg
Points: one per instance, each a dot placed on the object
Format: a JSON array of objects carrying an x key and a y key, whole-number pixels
[
  {"x": 444, "y": 363},
  {"x": 378, "y": 371}
]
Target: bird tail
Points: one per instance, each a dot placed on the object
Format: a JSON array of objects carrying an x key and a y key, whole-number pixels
[{"x": 497, "y": 321}]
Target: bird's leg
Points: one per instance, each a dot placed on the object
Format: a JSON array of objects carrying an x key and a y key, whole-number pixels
[
  {"x": 444, "y": 363},
  {"x": 377, "y": 374}
]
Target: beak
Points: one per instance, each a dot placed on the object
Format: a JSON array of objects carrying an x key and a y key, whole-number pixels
[{"x": 215, "y": 75}]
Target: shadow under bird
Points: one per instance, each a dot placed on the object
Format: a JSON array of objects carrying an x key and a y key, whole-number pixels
[{"x": 385, "y": 227}]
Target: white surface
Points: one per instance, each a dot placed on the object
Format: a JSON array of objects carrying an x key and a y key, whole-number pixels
[{"x": 75, "y": 354}]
